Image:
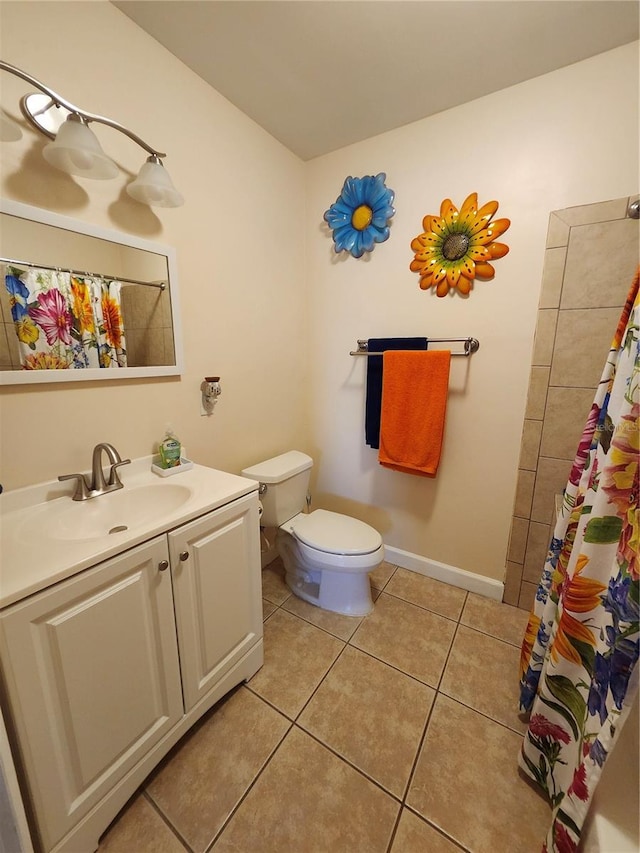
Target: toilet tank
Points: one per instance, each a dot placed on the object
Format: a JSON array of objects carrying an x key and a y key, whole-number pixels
[{"x": 287, "y": 480}]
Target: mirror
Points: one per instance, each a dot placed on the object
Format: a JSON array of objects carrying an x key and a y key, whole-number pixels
[{"x": 40, "y": 252}]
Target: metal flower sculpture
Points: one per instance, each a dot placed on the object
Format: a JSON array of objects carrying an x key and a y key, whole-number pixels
[
  {"x": 361, "y": 213},
  {"x": 457, "y": 247}
]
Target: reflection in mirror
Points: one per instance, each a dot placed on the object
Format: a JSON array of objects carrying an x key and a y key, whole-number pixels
[{"x": 76, "y": 298}]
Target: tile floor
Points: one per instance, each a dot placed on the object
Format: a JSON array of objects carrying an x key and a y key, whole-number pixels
[{"x": 395, "y": 733}]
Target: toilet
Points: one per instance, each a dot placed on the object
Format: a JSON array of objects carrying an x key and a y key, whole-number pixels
[{"x": 327, "y": 556}]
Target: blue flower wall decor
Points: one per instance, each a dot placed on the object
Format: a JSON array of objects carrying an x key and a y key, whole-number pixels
[{"x": 360, "y": 216}]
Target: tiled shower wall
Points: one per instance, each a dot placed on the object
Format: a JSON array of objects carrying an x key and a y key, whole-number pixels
[
  {"x": 591, "y": 257},
  {"x": 146, "y": 315}
]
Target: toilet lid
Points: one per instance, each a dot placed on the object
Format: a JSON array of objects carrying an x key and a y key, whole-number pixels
[{"x": 335, "y": 533}]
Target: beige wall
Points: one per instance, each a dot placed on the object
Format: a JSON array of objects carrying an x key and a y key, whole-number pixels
[
  {"x": 564, "y": 139},
  {"x": 267, "y": 304},
  {"x": 239, "y": 241}
]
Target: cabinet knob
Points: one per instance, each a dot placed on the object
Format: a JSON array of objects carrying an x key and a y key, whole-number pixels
[
  {"x": 163, "y": 565},
  {"x": 184, "y": 555}
]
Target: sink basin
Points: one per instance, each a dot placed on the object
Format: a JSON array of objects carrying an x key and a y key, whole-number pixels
[{"x": 113, "y": 513}]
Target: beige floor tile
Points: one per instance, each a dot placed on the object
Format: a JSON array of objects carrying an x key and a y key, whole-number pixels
[
  {"x": 267, "y": 608},
  {"x": 482, "y": 672},
  {"x": 274, "y": 589},
  {"x": 467, "y": 783},
  {"x": 203, "y": 781},
  {"x": 414, "y": 835},
  {"x": 308, "y": 800},
  {"x": 428, "y": 593},
  {"x": 380, "y": 576},
  {"x": 140, "y": 828},
  {"x": 297, "y": 656},
  {"x": 492, "y": 617},
  {"x": 335, "y": 623},
  {"x": 406, "y": 636},
  {"x": 372, "y": 715}
]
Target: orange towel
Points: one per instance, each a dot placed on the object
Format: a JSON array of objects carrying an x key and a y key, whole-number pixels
[{"x": 414, "y": 402}]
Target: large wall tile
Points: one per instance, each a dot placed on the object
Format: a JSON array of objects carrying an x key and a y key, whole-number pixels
[
  {"x": 586, "y": 213},
  {"x": 545, "y": 335},
  {"x": 530, "y": 446},
  {"x": 583, "y": 340},
  {"x": 550, "y": 480},
  {"x": 537, "y": 548},
  {"x": 512, "y": 583},
  {"x": 552, "y": 276},
  {"x": 518, "y": 540},
  {"x": 564, "y": 420},
  {"x": 558, "y": 232},
  {"x": 5, "y": 356},
  {"x": 524, "y": 494},
  {"x": 537, "y": 397},
  {"x": 601, "y": 262}
]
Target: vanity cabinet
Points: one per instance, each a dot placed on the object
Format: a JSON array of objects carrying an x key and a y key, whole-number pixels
[{"x": 106, "y": 670}]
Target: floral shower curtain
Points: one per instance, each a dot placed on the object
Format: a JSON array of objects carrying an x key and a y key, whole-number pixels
[
  {"x": 579, "y": 672},
  {"x": 64, "y": 321}
]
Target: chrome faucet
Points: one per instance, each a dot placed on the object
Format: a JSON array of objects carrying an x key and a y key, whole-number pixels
[{"x": 98, "y": 485}]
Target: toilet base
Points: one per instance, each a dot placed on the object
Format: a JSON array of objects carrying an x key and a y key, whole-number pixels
[{"x": 346, "y": 593}]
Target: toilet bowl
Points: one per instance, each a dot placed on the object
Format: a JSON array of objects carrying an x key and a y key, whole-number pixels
[{"x": 327, "y": 556}]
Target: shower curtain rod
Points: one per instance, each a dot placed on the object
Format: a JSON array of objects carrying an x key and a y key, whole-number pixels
[
  {"x": 160, "y": 284},
  {"x": 471, "y": 345}
]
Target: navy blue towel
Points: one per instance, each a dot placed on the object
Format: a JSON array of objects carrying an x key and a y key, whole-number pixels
[{"x": 374, "y": 381}]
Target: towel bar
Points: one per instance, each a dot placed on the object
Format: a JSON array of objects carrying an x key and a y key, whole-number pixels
[{"x": 471, "y": 345}]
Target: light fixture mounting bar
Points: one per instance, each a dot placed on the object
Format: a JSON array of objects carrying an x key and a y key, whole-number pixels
[{"x": 58, "y": 100}]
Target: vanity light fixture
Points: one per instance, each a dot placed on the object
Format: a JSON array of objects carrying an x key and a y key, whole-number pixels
[{"x": 75, "y": 149}]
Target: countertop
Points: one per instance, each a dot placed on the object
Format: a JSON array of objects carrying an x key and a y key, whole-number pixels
[{"x": 31, "y": 560}]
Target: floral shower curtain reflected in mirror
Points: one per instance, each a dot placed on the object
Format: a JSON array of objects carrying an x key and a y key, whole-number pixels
[
  {"x": 579, "y": 671},
  {"x": 64, "y": 321}
]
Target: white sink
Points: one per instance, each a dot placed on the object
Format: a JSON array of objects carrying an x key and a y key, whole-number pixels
[
  {"x": 110, "y": 514},
  {"x": 45, "y": 536}
]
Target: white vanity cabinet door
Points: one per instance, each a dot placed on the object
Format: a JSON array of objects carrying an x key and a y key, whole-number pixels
[
  {"x": 93, "y": 680},
  {"x": 215, "y": 562}
]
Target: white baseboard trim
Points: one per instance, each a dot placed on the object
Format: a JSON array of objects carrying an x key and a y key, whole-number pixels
[{"x": 452, "y": 575}]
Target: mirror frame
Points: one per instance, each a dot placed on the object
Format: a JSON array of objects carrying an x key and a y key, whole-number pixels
[{"x": 58, "y": 220}]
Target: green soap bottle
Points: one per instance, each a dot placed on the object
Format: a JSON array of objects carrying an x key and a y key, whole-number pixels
[{"x": 170, "y": 450}]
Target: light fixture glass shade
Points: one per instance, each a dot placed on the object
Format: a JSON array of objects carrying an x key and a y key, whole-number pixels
[
  {"x": 154, "y": 186},
  {"x": 76, "y": 150}
]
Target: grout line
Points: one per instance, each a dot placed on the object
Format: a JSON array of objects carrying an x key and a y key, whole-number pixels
[
  {"x": 148, "y": 797},
  {"x": 246, "y": 793},
  {"x": 428, "y": 720},
  {"x": 347, "y": 761},
  {"x": 449, "y": 838}
]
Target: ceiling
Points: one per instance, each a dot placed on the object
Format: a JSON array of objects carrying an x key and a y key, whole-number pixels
[{"x": 321, "y": 74}]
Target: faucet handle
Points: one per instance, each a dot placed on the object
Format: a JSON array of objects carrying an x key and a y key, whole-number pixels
[
  {"x": 114, "y": 479},
  {"x": 82, "y": 490}
]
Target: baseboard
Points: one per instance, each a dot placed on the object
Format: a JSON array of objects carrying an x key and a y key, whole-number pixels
[{"x": 452, "y": 575}]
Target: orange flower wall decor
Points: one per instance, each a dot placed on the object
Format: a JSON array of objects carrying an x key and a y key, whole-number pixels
[{"x": 457, "y": 246}]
